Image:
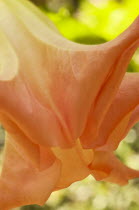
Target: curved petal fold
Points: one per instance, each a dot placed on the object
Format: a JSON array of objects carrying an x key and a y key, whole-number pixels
[
  {"x": 62, "y": 75},
  {"x": 8, "y": 59},
  {"x": 21, "y": 183},
  {"x": 64, "y": 106},
  {"x": 134, "y": 118},
  {"x": 74, "y": 162},
  {"x": 107, "y": 167},
  {"x": 106, "y": 96},
  {"x": 121, "y": 115}
]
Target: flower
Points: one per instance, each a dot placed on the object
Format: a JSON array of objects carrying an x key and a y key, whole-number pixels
[{"x": 65, "y": 106}]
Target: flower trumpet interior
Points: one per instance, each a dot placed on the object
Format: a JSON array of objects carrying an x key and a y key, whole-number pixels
[{"x": 65, "y": 106}]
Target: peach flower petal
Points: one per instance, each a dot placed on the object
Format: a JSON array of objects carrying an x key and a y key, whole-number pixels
[
  {"x": 119, "y": 117},
  {"x": 21, "y": 183},
  {"x": 58, "y": 104},
  {"x": 134, "y": 118},
  {"x": 107, "y": 167},
  {"x": 72, "y": 66},
  {"x": 112, "y": 83},
  {"x": 74, "y": 162}
]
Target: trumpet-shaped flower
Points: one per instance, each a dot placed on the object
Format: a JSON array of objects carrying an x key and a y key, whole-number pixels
[{"x": 65, "y": 106}]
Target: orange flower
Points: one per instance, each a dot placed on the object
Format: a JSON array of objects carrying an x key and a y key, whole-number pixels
[{"x": 65, "y": 106}]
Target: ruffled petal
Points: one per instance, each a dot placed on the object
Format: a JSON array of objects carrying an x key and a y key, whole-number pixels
[
  {"x": 60, "y": 77},
  {"x": 40, "y": 157},
  {"x": 123, "y": 47},
  {"x": 57, "y": 92},
  {"x": 21, "y": 183},
  {"x": 75, "y": 163},
  {"x": 107, "y": 167},
  {"x": 134, "y": 118},
  {"x": 8, "y": 58},
  {"x": 121, "y": 115}
]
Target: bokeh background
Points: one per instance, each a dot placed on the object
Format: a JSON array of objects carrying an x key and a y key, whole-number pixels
[{"x": 95, "y": 22}]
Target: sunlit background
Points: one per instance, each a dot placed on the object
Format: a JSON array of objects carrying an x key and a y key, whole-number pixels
[{"x": 95, "y": 22}]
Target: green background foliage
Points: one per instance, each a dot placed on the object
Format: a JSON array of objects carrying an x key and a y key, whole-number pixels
[{"x": 95, "y": 22}]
